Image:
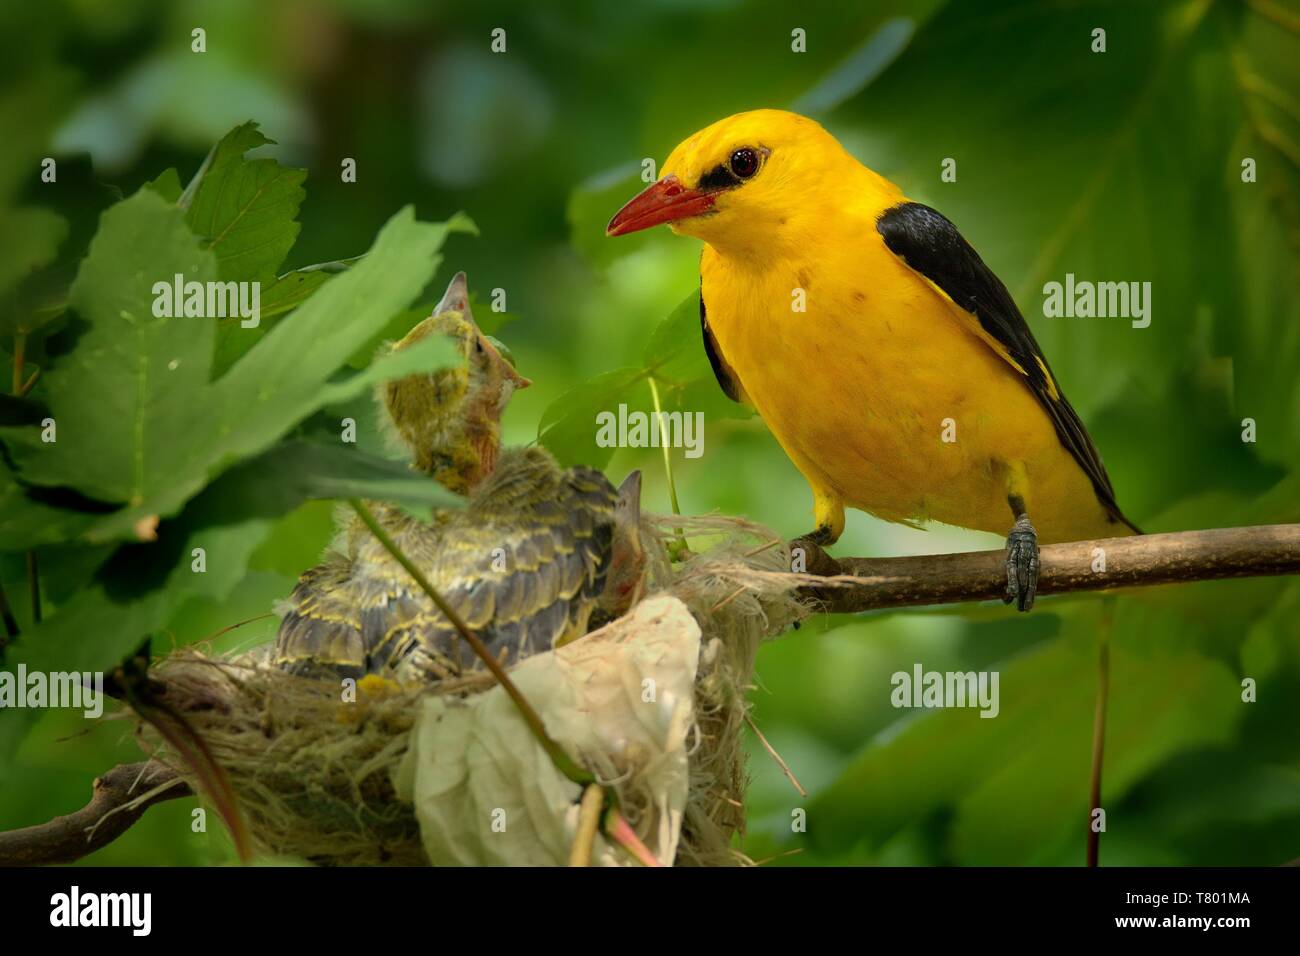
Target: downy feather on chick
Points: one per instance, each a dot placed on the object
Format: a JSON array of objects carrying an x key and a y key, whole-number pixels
[{"x": 534, "y": 554}]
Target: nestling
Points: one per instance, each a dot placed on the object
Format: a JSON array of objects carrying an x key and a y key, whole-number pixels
[{"x": 534, "y": 555}]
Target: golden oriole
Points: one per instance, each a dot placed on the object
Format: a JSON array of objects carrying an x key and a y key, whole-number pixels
[{"x": 865, "y": 331}]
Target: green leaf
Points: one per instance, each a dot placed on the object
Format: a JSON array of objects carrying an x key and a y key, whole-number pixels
[
  {"x": 568, "y": 425},
  {"x": 27, "y": 523},
  {"x": 29, "y": 241},
  {"x": 246, "y": 209},
  {"x": 135, "y": 593},
  {"x": 1034, "y": 755},
  {"x": 593, "y": 204},
  {"x": 675, "y": 356},
  {"x": 139, "y": 422},
  {"x": 141, "y": 587},
  {"x": 122, "y": 398},
  {"x": 675, "y": 349},
  {"x": 283, "y": 296},
  {"x": 306, "y": 471},
  {"x": 166, "y": 184}
]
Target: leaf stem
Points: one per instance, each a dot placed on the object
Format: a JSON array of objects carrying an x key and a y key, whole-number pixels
[
  {"x": 30, "y": 383},
  {"x": 33, "y": 580},
  {"x": 563, "y": 762},
  {"x": 589, "y": 813},
  {"x": 34, "y": 587},
  {"x": 668, "y": 461},
  {"x": 20, "y": 358},
  {"x": 10, "y": 622},
  {"x": 1099, "y": 727},
  {"x": 210, "y": 776},
  {"x": 620, "y": 831},
  {"x": 680, "y": 543}
]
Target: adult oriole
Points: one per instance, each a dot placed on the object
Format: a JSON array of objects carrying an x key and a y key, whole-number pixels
[{"x": 865, "y": 331}]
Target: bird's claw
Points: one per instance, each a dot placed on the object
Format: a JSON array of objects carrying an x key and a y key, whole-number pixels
[
  {"x": 1022, "y": 565},
  {"x": 821, "y": 536}
]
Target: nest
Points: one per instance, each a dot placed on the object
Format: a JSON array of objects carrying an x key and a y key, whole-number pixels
[{"x": 330, "y": 782}]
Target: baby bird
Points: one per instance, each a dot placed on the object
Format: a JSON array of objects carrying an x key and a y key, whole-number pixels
[
  {"x": 450, "y": 419},
  {"x": 537, "y": 554}
]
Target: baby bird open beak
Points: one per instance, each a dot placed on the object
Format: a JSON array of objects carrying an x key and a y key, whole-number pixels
[{"x": 456, "y": 298}]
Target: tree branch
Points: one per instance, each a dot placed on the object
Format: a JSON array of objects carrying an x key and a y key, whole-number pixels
[
  {"x": 123, "y": 794},
  {"x": 116, "y": 803},
  {"x": 1137, "y": 561}
]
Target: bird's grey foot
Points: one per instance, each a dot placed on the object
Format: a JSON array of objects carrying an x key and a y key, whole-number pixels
[{"x": 1022, "y": 564}]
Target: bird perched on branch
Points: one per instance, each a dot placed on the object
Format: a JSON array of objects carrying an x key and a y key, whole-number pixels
[
  {"x": 862, "y": 327},
  {"x": 536, "y": 553}
]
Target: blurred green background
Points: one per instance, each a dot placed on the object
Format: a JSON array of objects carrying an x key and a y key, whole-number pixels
[{"x": 1123, "y": 166}]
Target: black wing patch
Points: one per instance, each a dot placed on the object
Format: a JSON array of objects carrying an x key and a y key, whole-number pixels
[
  {"x": 930, "y": 244},
  {"x": 721, "y": 370}
]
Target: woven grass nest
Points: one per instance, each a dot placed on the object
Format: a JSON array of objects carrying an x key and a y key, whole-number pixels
[{"x": 653, "y": 704}]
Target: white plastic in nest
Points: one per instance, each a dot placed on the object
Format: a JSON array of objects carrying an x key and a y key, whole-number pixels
[{"x": 620, "y": 700}]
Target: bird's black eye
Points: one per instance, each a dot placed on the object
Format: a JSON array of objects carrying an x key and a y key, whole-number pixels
[
  {"x": 478, "y": 346},
  {"x": 744, "y": 162}
]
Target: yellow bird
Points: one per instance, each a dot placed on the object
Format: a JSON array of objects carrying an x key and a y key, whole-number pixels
[{"x": 887, "y": 359}]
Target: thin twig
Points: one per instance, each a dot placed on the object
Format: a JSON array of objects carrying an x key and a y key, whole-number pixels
[
  {"x": 21, "y": 388},
  {"x": 34, "y": 586},
  {"x": 593, "y": 801},
  {"x": 20, "y": 357},
  {"x": 778, "y": 856},
  {"x": 563, "y": 762},
  {"x": 1099, "y": 730},
  {"x": 10, "y": 622},
  {"x": 615, "y": 825},
  {"x": 763, "y": 547},
  {"x": 883, "y": 583},
  {"x": 28, "y": 385},
  {"x": 728, "y": 599},
  {"x": 116, "y": 803},
  {"x": 668, "y": 462},
  {"x": 785, "y": 768}
]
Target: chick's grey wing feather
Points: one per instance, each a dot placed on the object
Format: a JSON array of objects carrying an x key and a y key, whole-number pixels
[
  {"x": 321, "y": 631},
  {"x": 525, "y": 576},
  {"x": 522, "y": 565}
]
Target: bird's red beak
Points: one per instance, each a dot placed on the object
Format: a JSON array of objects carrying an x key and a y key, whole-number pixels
[{"x": 664, "y": 201}]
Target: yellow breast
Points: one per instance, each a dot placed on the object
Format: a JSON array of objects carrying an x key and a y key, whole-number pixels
[{"x": 880, "y": 394}]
